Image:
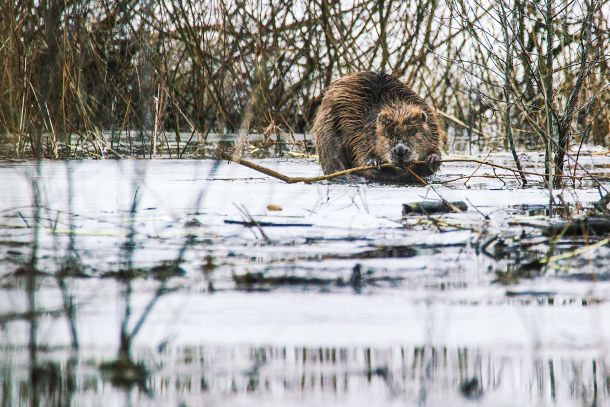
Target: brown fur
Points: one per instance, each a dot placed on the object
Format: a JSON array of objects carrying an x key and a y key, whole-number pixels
[{"x": 364, "y": 115}]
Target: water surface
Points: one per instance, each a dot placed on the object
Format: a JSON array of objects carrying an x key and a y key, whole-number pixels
[{"x": 337, "y": 300}]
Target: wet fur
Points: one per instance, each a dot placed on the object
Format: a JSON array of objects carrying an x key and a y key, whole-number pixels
[{"x": 351, "y": 124}]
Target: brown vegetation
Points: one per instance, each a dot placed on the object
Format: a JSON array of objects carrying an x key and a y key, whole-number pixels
[{"x": 521, "y": 74}]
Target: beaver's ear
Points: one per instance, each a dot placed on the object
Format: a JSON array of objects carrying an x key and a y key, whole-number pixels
[{"x": 424, "y": 117}]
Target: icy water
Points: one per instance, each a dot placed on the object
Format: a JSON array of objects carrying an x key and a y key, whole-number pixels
[{"x": 332, "y": 297}]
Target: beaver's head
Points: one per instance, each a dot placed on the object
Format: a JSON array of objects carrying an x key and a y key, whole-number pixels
[{"x": 404, "y": 134}]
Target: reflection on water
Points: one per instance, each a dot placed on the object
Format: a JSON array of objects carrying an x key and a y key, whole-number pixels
[{"x": 307, "y": 376}]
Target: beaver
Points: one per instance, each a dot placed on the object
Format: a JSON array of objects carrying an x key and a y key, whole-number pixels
[{"x": 369, "y": 118}]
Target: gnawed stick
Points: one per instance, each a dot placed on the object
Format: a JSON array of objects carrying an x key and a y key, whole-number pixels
[{"x": 309, "y": 180}]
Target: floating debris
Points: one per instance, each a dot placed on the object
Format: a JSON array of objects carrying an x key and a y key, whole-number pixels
[
  {"x": 471, "y": 388},
  {"x": 580, "y": 227},
  {"x": 250, "y": 223},
  {"x": 124, "y": 372},
  {"x": 251, "y": 279},
  {"x": 430, "y": 207}
]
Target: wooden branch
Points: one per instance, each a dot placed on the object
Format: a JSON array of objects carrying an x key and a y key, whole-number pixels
[
  {"x": 461, "y": 123},
  {"x": 309, "y": 180}
]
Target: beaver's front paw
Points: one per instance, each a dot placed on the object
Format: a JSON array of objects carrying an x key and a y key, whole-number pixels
[
  {"x": 433, "y": 161},
  {"x": 375, "y": 161}
]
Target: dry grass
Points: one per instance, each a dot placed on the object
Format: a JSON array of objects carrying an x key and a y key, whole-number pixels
[{"x": 72, "y": 69}]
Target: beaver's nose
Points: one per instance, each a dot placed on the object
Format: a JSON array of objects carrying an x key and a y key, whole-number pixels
[{"x": 400, "y": 150}]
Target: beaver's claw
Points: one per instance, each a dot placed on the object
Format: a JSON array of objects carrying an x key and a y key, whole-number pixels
[
  {"x": 375, "y": 161},
  {"x": 433, "y": 161}
]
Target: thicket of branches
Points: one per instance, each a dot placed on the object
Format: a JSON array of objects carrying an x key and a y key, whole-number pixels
[{"x": 512, "y": 72}]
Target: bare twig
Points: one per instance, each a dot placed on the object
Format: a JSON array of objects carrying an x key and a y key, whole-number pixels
[{"x": 326, "y": 177}]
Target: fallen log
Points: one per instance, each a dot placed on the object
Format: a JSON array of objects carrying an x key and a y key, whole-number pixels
[
  {"x": 430, "y": 207},
  {"x": 580, "y": 227},
  {"x": 252, "y": 223}
]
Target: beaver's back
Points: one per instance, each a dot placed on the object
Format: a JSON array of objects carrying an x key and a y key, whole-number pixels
[{"x": 353, "y": 101}]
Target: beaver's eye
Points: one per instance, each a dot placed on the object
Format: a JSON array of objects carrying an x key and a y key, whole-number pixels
[{"x": 385, "y": 120}]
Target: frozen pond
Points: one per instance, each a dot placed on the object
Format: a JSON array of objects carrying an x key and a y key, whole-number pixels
[{"x": 333, "y": 298}]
